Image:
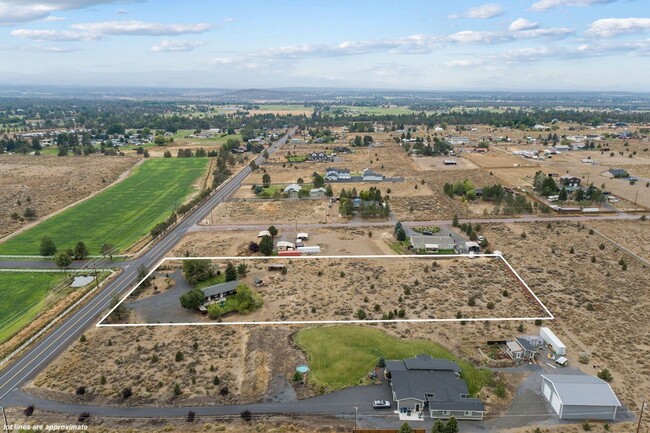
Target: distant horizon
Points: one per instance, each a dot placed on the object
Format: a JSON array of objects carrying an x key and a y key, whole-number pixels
[{"x": 10, "y": 86}]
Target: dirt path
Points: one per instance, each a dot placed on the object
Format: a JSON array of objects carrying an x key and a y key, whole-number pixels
[{"x": 40, "y": 220}]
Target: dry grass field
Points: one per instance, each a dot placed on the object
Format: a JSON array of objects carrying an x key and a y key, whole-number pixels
[
  {"x": 317, "y": 289},
  {"x": 49, "y": 183},
  {"x": 436, "y": 163},
  {"x": 633, "y": 235},
  {"x": 245, "y": 360},
  {"x": 499, "y": 159},
  {"x": 285, "y": 211},
  {"x": 600, "y": 308},
  {"x": 333, "y": 241}
]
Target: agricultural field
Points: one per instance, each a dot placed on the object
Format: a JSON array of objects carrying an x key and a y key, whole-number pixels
[
  {"x": 317, "y": 289},
  {"x": 24, "y": 295},
  {"x": 598, "y": 293},
  {"x": 42, "y": 183},
  {"x": 283, "y": 109},
  {"x": 340, "y": 356},
  {"x": 120, "y": 215}
]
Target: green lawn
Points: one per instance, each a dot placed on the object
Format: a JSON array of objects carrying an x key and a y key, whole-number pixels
[
  {"x": 217, "y": 279},
  {"x": 341, "y": 356},
  {"x": 120, "y": 215},
  {"x": 23, "y": 296}
]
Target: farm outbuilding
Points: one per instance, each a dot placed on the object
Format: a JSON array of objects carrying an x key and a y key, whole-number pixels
[
  {"x": 263, "y": 233},
  {"x": 285, "y": 246},
  {"x": 580, "y": 396},
  {"x": 551, "y": 339}
]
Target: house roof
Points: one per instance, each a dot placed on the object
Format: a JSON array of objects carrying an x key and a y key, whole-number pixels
[
  {"x": 263, "y": 233},
  {"x": 514, "y": 346},
  {"x": 293, "y": 187},
  {"x": 525, "y": 344},
  {"x": 285, "y": 244},
  {"x": 257, "y": 280},
  {"x": 337, "y": 170},
  {"x": 420, "y": 241},
  {"x": 317, "y": 190},
  {"x": 569, "y": 177},
  {"x": 219, "y": 289},
  {"x": 583, "y": 390},
  {"x": 617, "y": 171},
  {"x": 435, "y": 380}
]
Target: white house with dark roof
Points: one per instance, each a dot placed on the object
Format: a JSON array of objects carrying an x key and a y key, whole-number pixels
[
  {"x": 426, "y": 384},
  {"x": 370, "y": 176},
  {"x": 580, "y": 396},
  {"x": 334, "y": 174}
]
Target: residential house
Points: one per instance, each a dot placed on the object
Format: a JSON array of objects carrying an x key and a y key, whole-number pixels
[
  {"x": 561, "y": 148},
  {"x": 334, "y": 174},
  {"x": 616, "y": 173},
  {"x": 219, "y": 291},
  {"x": 370, "y": 176},
  {"x": 317, "y": 192},
  {"x": 458, "y": 141},
  {"x": 570, "y": 181},
  {"x": 257, "y": 281},
  {"x": 432, "y": 243},
  {"x": 426, "y": 384},
  {"x": 520, "y": 349},
  {"x": 292, "y": 190},
  {"x": 318, "y": 156}
]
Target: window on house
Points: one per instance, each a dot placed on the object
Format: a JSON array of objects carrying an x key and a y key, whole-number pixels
[
  {"x": 446, "y": 412},
  {"x": 468, "y": 413}
]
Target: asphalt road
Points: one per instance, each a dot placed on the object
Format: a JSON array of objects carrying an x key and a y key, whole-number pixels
[{"x": 28, "y": 363}]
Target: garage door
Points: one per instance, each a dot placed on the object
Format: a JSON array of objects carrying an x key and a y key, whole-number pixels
[{"x": 547, "y": 391}]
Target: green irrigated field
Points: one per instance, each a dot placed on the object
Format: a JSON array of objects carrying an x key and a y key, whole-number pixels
[
  {"x": 120, "y": 215},
  {"x": 23, "y": 296},
  {"x": 341, "y": 356}
]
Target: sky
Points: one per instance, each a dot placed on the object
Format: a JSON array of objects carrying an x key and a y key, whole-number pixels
[{"x": 527, "y": 45}]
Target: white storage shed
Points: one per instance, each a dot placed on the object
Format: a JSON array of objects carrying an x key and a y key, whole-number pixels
[{"x": 580, "y": 396}]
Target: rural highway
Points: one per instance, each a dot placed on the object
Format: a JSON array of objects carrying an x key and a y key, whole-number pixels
[{"x": 28, "y": 363}]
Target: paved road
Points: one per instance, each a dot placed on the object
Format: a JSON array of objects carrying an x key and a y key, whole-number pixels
[
  {"x": 523, "y": 219},
  {"x": 26, "y": 365}
]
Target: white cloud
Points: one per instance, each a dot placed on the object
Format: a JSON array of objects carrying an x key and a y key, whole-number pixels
[
  {"x": 169, "y": 45},
  {"x": 533, "y": 53},
  {"x": 53, "y": 18},
  {"x": 37, "y": 48},
  {"x": 608, "y": 27},
  {"x": 544, "y": 5},
  {"x": 53, "y": 35},
  {"x": 522, "y": 24},
  {"x": 464, "y": 63},
  {"x": 22, "y": 11},
  {"x": 488, "y": 10},
  {"x": 140, "y": 28},
  {"x": 229, "y": 20}
]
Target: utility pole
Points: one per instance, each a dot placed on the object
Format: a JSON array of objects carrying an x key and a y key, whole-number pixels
[
  {"x": 95, "y": 269},
  {"x": 638, "y": 427}
]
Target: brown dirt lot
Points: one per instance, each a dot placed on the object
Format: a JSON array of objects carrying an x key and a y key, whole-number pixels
[
  {"x": 436, "y": 163},
  {"x": 48, "y": 183},
  {"x": 615, "y": 332}
]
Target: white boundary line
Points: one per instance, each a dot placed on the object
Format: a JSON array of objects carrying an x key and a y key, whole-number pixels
[{"x": 314, "y": 322}]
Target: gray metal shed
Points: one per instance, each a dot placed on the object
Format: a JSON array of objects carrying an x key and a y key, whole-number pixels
[{"x": 580, "y": 396}]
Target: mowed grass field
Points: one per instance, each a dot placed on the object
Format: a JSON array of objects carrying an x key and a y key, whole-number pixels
[
  {"x": 341, "y": 356},
  {"x": 23, "y": 296},
  {"x": 121, "y": 214}
]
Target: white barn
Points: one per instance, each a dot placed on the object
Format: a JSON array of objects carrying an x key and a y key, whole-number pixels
[{"x": 580, "y": 396}]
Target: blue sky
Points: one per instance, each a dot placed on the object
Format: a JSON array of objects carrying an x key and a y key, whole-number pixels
[{"x": 407, "y": 44}]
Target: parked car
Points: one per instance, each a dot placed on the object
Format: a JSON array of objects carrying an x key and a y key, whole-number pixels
[
  {"x": 381, "y": 404},
  {"x": 480, "y": 238},
  {"x": 427, "y": 233}
]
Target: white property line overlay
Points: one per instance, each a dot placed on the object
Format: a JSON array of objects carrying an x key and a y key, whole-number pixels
[{"x": 323, "y": 322}]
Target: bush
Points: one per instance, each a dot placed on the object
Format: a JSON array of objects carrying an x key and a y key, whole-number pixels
[
  {"x": 83, "y": 417},
  {"x": 29, "y": 410},
  {"x": 361, "y": 315},
  {"x": 216, "y": 380},
  {"x": 190, "y": 416},
  {"x": 179, "y": 356},
  {"x": 586, "y": 426},
  {"x": 246, "y": 415},
  {"x": 538, "y": 322},
  {"x": 177, "y": 389},
  {"x": 583, "y": 358},
  {"x": 605, "y": 375},
  {"x": 126, "y": 393},
  {"x": 224, "y": 391},
  {"x": 81, "y": 390},
  {"x": 490, "y": 305}
]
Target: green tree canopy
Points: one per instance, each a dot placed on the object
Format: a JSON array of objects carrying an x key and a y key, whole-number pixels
[
  {"x": 48, "y": 248},
  {"x": 192, "y": 299}
]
